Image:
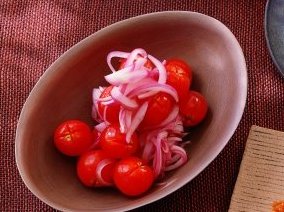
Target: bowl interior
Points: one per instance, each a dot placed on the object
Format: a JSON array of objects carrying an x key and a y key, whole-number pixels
[{"x": 64, "y": 92}]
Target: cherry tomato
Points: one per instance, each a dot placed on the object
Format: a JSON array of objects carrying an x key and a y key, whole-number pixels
[
  {"x": 193, "y": 108},
  {"x": 148, "y": 64},
  {"x": 73, "y": 137},
  {"x": 111, "y": 110},
  {"x": 160, "y": 106},
  {"x": 179, "y": 76},
  {"x": 114, "y": 142},
  {"x": 87, "y": 169},
  {"x": 132, "y": 177}
]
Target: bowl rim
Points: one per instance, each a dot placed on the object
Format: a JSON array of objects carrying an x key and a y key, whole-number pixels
[
  {"x": 268, "y": 38},
  {"x": 77, "y": 48}
]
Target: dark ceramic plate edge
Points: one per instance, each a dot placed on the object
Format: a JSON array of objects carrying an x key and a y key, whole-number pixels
[{"x": 268, "y": 39}]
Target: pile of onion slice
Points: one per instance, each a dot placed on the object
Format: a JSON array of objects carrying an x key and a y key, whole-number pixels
[{"x": 162, "y": 145}]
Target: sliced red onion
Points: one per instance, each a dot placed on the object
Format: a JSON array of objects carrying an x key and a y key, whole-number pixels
[
  {"x": 139, "y": 64},
  {"x": 179, "y": 150},
  {"x": 115, "y": 54},
  {"x": 101, "y": 88},
  {"x": 183, "y": 158},
  {"x": 138, "y": 117},
  {"x": 100, "y": 117},
  {"x": 101, "y": 126},
  {"x": 105, "y": 113},
  {"x": 154, "y": 87},
  {"x": 96, "y": 94},
  {"x": 121, "y": 119},
  {"x": 163, "y": 134},
  {"x": 166, "y": 157},
  {"x": 172, "y": 156},
  {"x": 174, "y": 139},
  {"x": 157, "y": 162},
  {"x": 147, "y": 94},
  {"x": 178, "y": 128},
  {"x": 173, "y": 159},
  {"x": 104, "y": 99},
  {"x": 128, "y": 118},
  {"x": 126, "y": 76},
  {"x": 124, "y": 100},
  {"x": 165, "y": 147},
  {"x": 185, "y": 143},
  {"x": 108, "y": 102},
  {"x": 132, "y": 86},
  {"x": 101, "y": 165},
  {"x": 158, "y": 159},
  {"x": 161, "y": 68},
  {"x": 162, "y": 144},
  {"x": 176, "y": 165},
  {"x": 174, "y": 127},
  {"x": 94, "y": 112},
  {"x": 148, "y": 151},
  {"x": 133, "y": 55},
  {"x": 118, "y": 74}
]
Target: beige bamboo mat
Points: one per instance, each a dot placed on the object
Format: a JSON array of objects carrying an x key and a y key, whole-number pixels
[{"x": 261, "y": 177}]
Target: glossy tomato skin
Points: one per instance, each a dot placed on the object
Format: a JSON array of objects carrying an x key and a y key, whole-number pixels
[
  {"x": 132, "y": 176},
  {"x": 160, "y": 106},
  {"x": 87, "y": 167},
  {"x": 114, "y": 142},
  {"x": 111, "y": 111},
  {"x": 179, "y": 76},
  {"x": 193, "y": 109},
  {"x": 73, "y": 137}
]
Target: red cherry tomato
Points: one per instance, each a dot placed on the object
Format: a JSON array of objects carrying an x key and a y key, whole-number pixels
[
  {"x": 179, "y": 76},
  {"x": 148, "y": 64},
  {"x": 160, "y": 106},
  {"x": 110, "y": 111},
  {"x": 114, "y": 142},
  {"x": 132, "y": 177},
  {"x": 193, "y": 108},
  {"x": 87, "y": 169},
  {"x": 73, "y": 137}
]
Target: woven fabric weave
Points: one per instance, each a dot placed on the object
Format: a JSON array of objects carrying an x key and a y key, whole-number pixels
[{"x": 36, "y": 33}]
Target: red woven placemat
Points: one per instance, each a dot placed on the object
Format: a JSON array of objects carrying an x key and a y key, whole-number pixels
[{"x": 35, "y": 33}]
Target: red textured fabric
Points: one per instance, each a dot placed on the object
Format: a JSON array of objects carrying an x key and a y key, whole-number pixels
[{"x": 35, "y": 33}]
